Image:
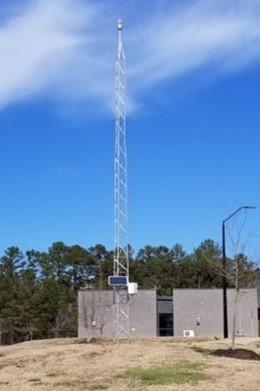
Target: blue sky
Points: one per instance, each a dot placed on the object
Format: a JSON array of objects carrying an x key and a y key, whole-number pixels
[{"x": 193, "y": 120}]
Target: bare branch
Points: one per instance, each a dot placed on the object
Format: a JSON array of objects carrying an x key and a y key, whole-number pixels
[{"x": 219, "y": 269}]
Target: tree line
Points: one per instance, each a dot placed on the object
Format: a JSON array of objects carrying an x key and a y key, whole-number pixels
[{"x": 38, "y": 290}]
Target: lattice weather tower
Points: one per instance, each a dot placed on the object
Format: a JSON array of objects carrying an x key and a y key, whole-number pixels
[{"x": 121, "y": 258}]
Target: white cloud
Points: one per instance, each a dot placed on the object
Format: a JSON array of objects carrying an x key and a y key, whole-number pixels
[
  {"x": 221, "y": 33},
  {"x": 50, "y": 46},
  {"x": 66, "y": 48}
]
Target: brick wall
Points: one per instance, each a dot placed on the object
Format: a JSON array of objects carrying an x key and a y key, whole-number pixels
[
  {"x": 95, "y": 310},
  {"x": 201, "y": 310}
]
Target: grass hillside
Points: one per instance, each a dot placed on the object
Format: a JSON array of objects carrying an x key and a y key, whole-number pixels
[{"x": 151, "y": 365}]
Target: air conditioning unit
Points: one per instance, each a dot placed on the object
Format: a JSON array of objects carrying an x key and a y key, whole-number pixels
[
  {"x": 188, "y": 333},
  {"x": 132, "y": 288}
]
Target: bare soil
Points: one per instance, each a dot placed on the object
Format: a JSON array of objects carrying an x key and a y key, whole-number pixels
[
  {"x": 74, "y": 365},
  {"x": 241, "y": 354}
]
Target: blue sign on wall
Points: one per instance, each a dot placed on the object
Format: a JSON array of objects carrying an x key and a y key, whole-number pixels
[{"x": 118, "y": 280}]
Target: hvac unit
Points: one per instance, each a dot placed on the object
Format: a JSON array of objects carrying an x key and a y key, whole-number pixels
[
  {"x": 132, "y": 288},
  {"x": 188, "y": 333}
]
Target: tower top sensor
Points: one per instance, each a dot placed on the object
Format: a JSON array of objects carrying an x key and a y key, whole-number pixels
[{"x": 119, "y": 25}]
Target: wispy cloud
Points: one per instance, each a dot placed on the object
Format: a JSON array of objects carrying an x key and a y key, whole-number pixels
[
  {"x": 225, "y": 34},
  {"x": 52, "y": 46},
  {"x": 66, "y": 48}
]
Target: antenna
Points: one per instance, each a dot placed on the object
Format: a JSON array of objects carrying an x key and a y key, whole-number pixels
[{"x": 120, "y": 278}]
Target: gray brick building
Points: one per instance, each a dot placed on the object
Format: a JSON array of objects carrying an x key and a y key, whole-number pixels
[
  {"x": 200, "y": 310},
  {"x": 95, "y": 313}
]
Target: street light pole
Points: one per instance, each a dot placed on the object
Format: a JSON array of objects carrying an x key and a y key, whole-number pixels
[
  {"x": 224, "y": 263},
  {"x": 224, "y": 260}
]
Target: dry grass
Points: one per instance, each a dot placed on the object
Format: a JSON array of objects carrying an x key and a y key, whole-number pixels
[{"x": 68, "y": 365}]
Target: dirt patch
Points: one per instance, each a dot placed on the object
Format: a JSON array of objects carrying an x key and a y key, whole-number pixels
[{"x": 241, "y": 354}]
